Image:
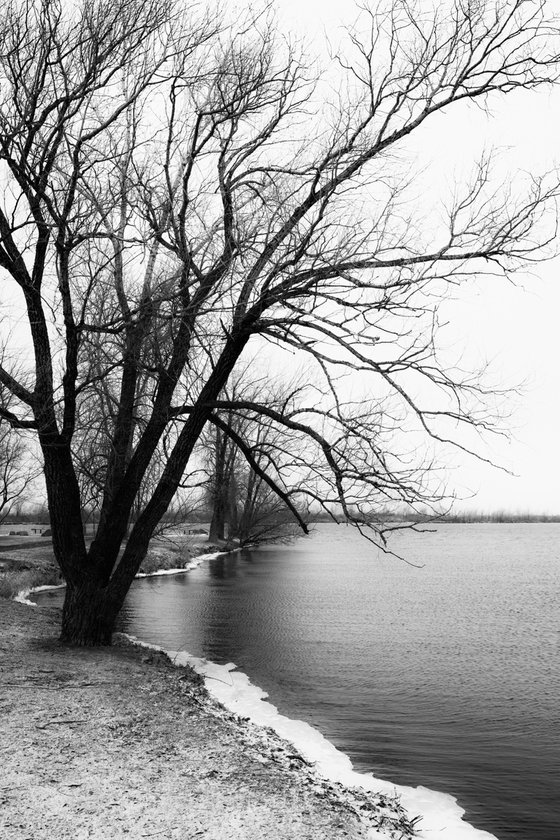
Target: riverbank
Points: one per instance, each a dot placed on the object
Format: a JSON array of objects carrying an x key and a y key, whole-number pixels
[
  {"x": 120, "y": 742},
  {"x": 27, "y": 567}
]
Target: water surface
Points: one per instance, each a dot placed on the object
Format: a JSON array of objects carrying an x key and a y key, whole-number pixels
[{"x": 446, "y": 675}]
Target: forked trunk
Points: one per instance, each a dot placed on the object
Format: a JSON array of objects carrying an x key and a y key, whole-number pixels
[{"x": 88, "y": 615}]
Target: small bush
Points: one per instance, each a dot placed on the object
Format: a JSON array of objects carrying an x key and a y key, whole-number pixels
[
  {"x": 13, "y": 582},
  {"x": 159, "y": 560}
]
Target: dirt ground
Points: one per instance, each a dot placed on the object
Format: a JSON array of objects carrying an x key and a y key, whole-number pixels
[{"x": 118, "y": 743}]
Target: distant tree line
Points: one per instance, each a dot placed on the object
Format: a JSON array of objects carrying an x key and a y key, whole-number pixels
[
  {"x": 458, "y": 517},
  {"x": 496, "y": 516}
]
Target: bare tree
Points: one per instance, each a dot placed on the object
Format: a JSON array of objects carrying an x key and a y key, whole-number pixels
[
  {"x": 258, "y": 475},
  {"x": 17, "y": 471},
  {"x": 91, "y": 448},
  {"x": 264, "y": 515},
  {"x": 176, "y": 190}
]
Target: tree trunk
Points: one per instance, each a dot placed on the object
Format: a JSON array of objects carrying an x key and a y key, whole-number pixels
[
  {"x": 217, "y": 525},
  {"x": 88, "y": 615}
]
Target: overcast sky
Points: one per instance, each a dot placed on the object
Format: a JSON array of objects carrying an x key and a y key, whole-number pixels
[{"x": 515, "y": 327}]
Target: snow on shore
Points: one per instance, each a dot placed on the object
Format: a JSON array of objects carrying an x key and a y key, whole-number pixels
[
  {"x": 441, "y": 814},
  {"x": 192, "y": 564}
]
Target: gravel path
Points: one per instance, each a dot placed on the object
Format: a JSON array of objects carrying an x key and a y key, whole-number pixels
[{"x": 115, "y": 743}]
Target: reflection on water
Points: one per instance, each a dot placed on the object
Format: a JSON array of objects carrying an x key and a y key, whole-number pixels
[{"x": 446, "y": 676}]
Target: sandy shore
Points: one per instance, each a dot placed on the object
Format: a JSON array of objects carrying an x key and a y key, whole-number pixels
[{"x": 120, "y": 743}]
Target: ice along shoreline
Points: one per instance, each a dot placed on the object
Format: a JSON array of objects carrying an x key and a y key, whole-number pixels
[{"x": 440, "y": 814}]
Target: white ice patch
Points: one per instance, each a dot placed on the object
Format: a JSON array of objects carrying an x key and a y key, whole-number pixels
[
  {"x": 441, "y": 814},
  {"x": 192, "y": 564},
  {"x": 22, "y": 598}
]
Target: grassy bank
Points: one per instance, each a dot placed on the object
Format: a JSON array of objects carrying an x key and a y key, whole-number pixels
[
  {"x": 29, "y": 567},
  {"x": 26, "y": 563}
]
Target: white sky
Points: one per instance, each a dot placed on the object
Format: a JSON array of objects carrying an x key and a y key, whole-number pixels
[{"x": 514, "y": 327}]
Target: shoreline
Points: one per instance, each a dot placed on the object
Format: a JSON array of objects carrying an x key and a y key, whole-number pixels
[
  {"x": 123, "y": 740},
  {"x": 429, "y": 811},
  {"x": 22, "y": 597}
]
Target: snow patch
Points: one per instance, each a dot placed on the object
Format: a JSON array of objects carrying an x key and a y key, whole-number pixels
[
  {"x": 192, "y": 564},
  {"x": 22, "y": 598}
]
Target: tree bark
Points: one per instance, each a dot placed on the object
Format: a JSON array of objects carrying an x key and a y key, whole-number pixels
[
  {"x": 218, "y": 523},
  {"x": 88, "y": 615}
]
